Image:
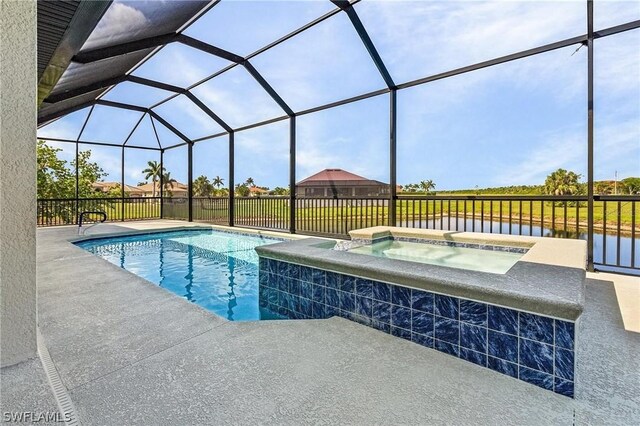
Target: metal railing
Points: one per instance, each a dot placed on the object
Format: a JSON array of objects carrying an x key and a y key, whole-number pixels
[
  {"x": 211, "y": 209},
  {"x": 616, "y": 220},
  {"x": 336, "y": 217},
  {"x": 59, "y": 211},
  {"x": 270, "y": 212},
  {"x": 175, "y": 208}
]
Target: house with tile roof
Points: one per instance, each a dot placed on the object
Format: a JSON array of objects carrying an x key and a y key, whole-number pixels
[
  {"x": 105, "y": 187},
  {"x": 177, "y": 189},
  {"x": 334, "y": 183}
]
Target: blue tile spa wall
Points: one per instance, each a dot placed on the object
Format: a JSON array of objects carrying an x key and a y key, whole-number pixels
[{"x": 533, "y": 348}]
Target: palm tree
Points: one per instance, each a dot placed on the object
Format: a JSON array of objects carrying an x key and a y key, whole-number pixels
[
  {"x": 202, "y": 187},
  {"x": 153, "y": 172},
  {"x": 562, "y": 182},
  {"x": 427, "y": 185},
  {"x": 218, "y": 182},
  {"x": 250, "y": 182},
  {"x": 168, "y": 182}
]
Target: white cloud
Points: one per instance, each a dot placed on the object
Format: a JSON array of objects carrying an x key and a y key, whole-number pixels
[
  {"x": 108, "y": 159},
  {"x": 564, "y": 149},
  {"x": 421, "y": 38},
  {"x": 187, "y": 117},
  {"x": 59, "y": 129},
  {"x": 237, "y": 98},
  {"x": 119, "y": 19},
  {"x": 323, "y": 64},
  {"x": 617, "y": 149}
]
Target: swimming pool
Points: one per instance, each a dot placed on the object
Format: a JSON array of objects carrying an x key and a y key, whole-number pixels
[{"x": 214, "y": 269}]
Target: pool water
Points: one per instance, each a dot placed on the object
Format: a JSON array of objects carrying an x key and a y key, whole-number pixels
[
  {"x": 216, "y": 270},
  {"x": 475, "y": 259}
]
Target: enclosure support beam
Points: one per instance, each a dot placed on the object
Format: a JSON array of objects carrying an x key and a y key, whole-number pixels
[
  {"x": 155, "y": 132},
  {"x": 292, "y": 174},
  {"x": 208, "y": 111},
  {"x": 77, "y": 192},
  {"x": 99, "y": 144},
  {"x": 120, "y": 105},
  {"x": 102, "y": 53},
  {"x": 393, "y": 195},
  {"x": 161, "y": 183},
  {"x": 231, "y": 181},
  {"x": 134, "y": 129},
  {"x": 123, "y": 48},
  {"x": 366, "y": 40},
  {"x": 208, "y": 48},
  {"x": 102, "y": 84},
  {"x": 166, "y": 124},
  {"x": 267, "y": 88},
  {"x": 590, "y": 135},
  {"x": 122, "y": 183},
  {"x": 190, "y": 180}
]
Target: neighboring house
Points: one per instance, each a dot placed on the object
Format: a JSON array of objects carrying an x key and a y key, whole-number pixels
[
  {"x": 105, "y": 187},
  {"x": 178, "y": 190},
  {"x": 256, "y": 191},
  {"x": 333, "y": 183}
]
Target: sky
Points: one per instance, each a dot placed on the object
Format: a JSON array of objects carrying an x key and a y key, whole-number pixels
[{"x": 510, "y": 124}]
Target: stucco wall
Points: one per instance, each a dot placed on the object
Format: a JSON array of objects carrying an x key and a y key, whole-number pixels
[{"x": 18, "y": 75}]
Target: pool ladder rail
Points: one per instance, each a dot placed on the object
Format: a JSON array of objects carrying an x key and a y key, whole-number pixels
[{"x": 81, "y": 230}]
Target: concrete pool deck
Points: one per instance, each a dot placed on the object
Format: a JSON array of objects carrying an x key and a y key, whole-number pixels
[{"x": 129, "y": 352}]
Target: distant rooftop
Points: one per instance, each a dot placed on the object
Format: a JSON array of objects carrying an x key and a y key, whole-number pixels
[{"x": 335, "y": 175}]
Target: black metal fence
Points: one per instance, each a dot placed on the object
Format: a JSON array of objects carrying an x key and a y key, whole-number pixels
[
  {"x": 210, "y": 209},
  {"x": 262, "y": 212},
  {"x": 336, "y": 217},
  {"x": 616, "y": 218},
  {"x": 56, "y": 211}
]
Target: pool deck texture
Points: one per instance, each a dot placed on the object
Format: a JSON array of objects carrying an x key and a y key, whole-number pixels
[{"x": 129, "y": 352}]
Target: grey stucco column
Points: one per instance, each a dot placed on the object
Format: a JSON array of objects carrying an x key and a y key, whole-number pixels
[{"x": 18, "y": 80}]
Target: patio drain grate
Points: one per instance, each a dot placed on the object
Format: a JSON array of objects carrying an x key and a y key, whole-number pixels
[{"x": 65, "y": 405}]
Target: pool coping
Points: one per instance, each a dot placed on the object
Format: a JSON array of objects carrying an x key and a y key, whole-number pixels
[
  {"x": 549, "y": 251},
  {"x": 531, "y": 285},
  {"x": 202, "y": 227}
]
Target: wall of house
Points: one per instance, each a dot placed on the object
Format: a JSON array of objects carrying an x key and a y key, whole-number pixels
[
  {"x": 18, "y": 78},
  {"x": 324, "y": 191}
]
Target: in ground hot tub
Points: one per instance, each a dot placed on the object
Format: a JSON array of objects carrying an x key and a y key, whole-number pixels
[
  {"x": 507, "y": 303},
  {"x": 474, "y": 257}
]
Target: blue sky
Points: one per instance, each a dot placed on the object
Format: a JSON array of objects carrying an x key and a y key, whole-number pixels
[{"x": 505, "y": 125}]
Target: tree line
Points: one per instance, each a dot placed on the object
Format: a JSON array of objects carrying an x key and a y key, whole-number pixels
[{"x": 560, "y": 183}]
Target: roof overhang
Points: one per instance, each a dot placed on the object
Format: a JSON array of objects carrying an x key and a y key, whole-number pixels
[{"x": 63, "y": 28}]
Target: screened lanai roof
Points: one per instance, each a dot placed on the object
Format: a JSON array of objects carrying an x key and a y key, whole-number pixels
[{"x": 187, "y": 68}]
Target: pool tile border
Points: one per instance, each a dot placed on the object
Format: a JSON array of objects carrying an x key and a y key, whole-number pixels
[
  {"x": 536, "y": 349},
  {"x": 357, "y": 242}
]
